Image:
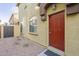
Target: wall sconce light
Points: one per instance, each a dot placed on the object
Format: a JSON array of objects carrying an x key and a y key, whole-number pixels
[
  {"x": 43, "y": 17},
  {"x": 53, "y": 6},
  {"x": 37, "y": 7}
]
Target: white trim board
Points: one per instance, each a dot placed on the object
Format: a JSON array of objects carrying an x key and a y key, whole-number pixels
[{"x": 42, "y": 53}]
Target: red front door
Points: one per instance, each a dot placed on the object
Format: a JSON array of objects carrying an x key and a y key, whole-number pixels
[{"x": 56, "y": 30}]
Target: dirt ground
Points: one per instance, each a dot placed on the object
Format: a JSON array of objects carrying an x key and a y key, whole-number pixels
[{"x": 19, "y": 47}]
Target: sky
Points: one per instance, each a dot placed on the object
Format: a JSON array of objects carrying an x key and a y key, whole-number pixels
[{"x": 6, "y": 9}]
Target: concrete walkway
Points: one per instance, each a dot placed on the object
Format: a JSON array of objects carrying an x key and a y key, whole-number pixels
[{"x": 19, "y": 47}]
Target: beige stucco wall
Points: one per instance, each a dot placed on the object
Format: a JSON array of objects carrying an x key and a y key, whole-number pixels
[
  {"x": 2, "y": 31},
  {"x": 22, "y": 18},
  {"x": 16, "y": 30},
  {"x": 42, "y": 37},
  {"x": 14, "y": 18},
  {"x": 71, "y": 30},
  {"x": 59, "y": 7},
  {"x": 26, "y": 15},
  {"x": 72, "y": 35}
]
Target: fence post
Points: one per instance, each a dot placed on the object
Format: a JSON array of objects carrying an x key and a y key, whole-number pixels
[
  {"x": 16, "y": 30},
  {"x": 2, "y": 31}
]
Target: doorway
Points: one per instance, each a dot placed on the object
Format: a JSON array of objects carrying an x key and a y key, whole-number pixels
[{"x": 56, "y": 30}]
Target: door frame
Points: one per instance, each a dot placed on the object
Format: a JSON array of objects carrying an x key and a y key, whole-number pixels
[{"x": 53, "y": 48}]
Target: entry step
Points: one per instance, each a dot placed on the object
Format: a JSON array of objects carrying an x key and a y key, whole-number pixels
[{"x": 48, "y": 53}]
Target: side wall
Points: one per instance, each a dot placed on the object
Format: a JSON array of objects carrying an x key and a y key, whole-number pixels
[
  {"x": 71, "y": 30},
  {"x": 16, "y": 30},
  {"x": 41, "y": 35},
  {"x": 2, "y": 34},
  {"x": 72, "y": 35},
  {"x": 22, "y": 18}
]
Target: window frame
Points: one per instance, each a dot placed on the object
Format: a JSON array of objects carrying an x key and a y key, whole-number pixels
[{"x": 33, "y": 23}]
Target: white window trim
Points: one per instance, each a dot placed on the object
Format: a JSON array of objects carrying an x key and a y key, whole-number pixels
[{"x": 31, "y": 20}]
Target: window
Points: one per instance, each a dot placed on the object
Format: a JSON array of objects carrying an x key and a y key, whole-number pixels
[
  {"x": 33, "y": 25},
  {"x": 21, "y": 28}
]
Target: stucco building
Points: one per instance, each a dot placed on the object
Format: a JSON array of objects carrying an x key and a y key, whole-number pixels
[
  {"x": 14, "y": 21},
  {"x": 32, "y": 26},
  {"x": 52, "y": 25}
]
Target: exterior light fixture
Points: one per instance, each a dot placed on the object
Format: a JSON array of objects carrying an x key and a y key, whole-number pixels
[
  {"x": 37, "y": 7},
  {"x": 43, "y": 17},
  {"x": 53, "y": 6}
]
